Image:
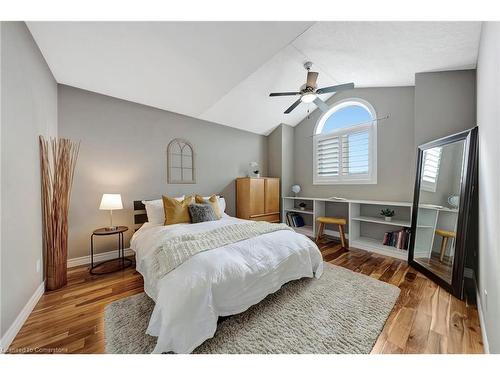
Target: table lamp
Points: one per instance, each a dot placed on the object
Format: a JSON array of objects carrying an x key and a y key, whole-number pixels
[{"x": 111, "y": 202}]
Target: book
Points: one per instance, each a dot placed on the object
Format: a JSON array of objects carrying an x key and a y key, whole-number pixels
[
  {"x": 386, "y": 238},
  {"x": 294, "y": 220},
  {"x": 398, "y": 239}
]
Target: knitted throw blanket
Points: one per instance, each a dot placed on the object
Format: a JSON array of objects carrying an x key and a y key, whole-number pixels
[{"x": 176, "y": 250}]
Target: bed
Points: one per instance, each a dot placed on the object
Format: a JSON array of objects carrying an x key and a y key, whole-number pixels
[{"x": 220, "y": 282}]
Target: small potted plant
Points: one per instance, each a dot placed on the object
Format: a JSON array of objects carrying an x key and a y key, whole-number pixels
[
  {"x": 387, "y": 213},
  {"x": 302, "y": 206}
]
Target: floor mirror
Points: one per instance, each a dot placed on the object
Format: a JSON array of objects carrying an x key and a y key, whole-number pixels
[{"x": 444, "y": 216}]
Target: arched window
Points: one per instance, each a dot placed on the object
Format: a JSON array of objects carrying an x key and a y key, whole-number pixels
[
  {"x": 345, "y": 144},
  {"x": 180, "y": 160}
]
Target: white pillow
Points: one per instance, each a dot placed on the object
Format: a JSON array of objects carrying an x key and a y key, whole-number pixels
[
  {"x": 221, "y": 201},
  {"x": 222, "y": 204},
  {"x": 155, "y": 211}
]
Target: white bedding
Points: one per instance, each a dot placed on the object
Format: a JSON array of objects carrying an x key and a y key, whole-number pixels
[{"x": 219, "y": 282}]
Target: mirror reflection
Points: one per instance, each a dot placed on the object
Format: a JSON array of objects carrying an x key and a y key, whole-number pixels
[{"x": 438, "y": 205}]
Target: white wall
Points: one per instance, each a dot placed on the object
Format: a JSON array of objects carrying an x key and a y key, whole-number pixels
[
  {"x": 29, "y": 108},
  {"x": 488, "y": 119}
]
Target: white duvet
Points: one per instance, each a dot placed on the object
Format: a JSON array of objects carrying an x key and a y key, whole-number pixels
[{"x": 219, "y": 282}]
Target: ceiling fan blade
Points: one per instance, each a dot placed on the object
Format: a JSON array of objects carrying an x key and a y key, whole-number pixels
[
  {"x": 284, "y": 93},
  {"x": 292, "y": 107},
  {"x": 345, "y": 86},
  {"x": 321, "y": 104},
  {"x": 312, "y": 77}
]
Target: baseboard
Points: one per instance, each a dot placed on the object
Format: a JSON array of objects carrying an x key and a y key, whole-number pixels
[
  {"x": 16, "y": 326},
  {"x": 101, "y": 257},
  {"x": 469, "y": 273},
  {"x": 486, "y": 346}
]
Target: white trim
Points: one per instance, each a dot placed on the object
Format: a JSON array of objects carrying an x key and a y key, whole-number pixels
[
  {"x": 80, "y": 261},
  {"x": 16, "y": 326},
  {"x": 363, "y": 201},
  {"x": 342, "y": 104},
  {"x": 482, "y": 324}
]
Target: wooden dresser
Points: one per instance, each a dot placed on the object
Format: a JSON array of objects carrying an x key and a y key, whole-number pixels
[{"x": 258, "y": 199}]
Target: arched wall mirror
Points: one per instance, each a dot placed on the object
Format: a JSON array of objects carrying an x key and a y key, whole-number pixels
[
  {"x": 180, "y": 162},
  {"x": 444, "y": 216}
]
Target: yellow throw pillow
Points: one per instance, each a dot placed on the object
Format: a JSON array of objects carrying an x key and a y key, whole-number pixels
[
  {"x": 177, "y": 212},
  {"x": 213, "y": 201}
]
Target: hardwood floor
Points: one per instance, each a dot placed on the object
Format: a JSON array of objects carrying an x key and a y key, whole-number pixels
[{"x": 425, "y": 319}]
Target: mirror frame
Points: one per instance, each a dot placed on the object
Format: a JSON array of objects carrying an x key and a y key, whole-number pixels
[{"x": 467, "y": 198}]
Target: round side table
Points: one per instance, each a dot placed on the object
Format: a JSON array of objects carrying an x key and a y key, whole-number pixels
[{"x": 124, "y": 262}]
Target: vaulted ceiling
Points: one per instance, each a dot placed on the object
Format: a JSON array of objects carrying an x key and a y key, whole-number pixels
[{"x": 223, "y": 71}]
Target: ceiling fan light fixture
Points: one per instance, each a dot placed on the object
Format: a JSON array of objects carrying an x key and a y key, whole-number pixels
[{"x": 308, "y": 97}]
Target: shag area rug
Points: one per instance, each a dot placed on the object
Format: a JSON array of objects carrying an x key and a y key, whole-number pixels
[{"x": 342, "y": 312}]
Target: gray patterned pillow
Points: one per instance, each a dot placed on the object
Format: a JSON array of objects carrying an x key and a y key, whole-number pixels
[{"x": 201, "y": 212}]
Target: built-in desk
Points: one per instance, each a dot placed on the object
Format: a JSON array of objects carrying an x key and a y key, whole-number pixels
[{"x": 365, "y": 229}]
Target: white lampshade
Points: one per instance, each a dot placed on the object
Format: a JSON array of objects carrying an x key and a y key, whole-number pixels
[
  {"x": 296, "y": 189},
  {"x": 111, "y": 202},
  {"x": 308, "y": 97}
]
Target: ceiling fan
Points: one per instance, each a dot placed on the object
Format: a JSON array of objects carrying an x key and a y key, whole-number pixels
[{"x": 309, "y": 93}]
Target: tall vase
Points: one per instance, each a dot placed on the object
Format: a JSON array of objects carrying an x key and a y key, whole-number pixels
[{"x": 57, "y": 166}]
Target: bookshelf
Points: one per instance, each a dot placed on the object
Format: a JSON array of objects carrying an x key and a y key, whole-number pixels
[
  {"x": 431, "y": 217},
  {"x": 365, "y": 229},
  {"x": 291, "y": 206},
  {"x": 398, "y": 223},
  {"x": 306, "y": 212}
]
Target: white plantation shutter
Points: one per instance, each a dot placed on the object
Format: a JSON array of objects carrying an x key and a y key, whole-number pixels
[
  {"x": 345, "y": 156},
  {"x": 430, "y": 171},
  {"x": 356, "y": 153},
  {"x": 328, "y": 157}
]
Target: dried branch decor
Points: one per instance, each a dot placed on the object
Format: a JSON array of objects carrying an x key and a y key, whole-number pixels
[{"x": 57, "y": 164}]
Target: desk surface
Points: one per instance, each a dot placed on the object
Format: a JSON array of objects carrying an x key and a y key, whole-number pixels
[
  {"x": 382, "y": 203},
  {"x": 342, "y": 200}
]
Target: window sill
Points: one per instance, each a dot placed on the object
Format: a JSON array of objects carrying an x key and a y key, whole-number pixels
[{"x": 346, "y": 182}]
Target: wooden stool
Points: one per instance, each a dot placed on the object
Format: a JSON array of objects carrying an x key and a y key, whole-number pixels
[
  {"x": 323, "y": 220},
  {"x": 445, "y": 234}
]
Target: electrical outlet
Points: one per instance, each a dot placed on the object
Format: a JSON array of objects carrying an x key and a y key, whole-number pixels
[
  {"x": 485, "y": 300},
  {"x": 38, "y": 266}
]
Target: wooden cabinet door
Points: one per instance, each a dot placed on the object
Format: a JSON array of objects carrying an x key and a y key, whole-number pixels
[
  {"x": 256, "y": 197},
  {"x": 272, "y": 195}
]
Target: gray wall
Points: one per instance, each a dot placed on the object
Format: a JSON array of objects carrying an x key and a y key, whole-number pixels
[
  {"x": 29, "y": 108},
  {"x": 488, "y": 119},
  {"x": 123, "y": 150},
  {"x": 395, "y": 148},
  {"x": 445, "y": 103},
  {"x": 274, "y": 152},
  {"x": 280, "y": 146},
  {"x": 287, "y": 154}
]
